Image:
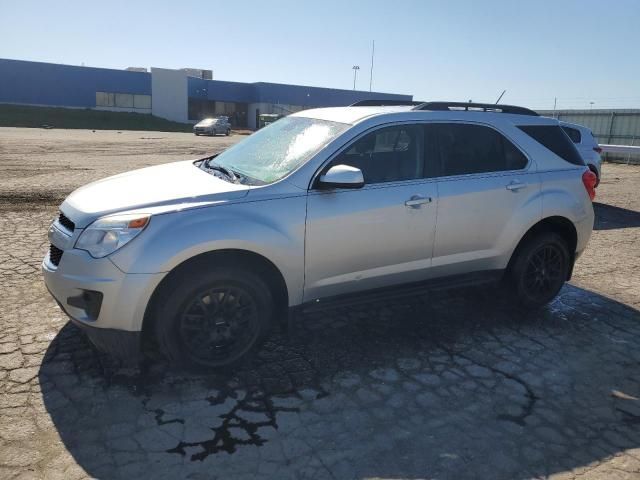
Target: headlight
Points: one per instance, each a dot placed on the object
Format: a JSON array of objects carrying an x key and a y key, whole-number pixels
[{"x": 108, "y": 234}]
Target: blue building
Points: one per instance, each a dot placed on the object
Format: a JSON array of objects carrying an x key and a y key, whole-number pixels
[{"x": 171, "y": 94}]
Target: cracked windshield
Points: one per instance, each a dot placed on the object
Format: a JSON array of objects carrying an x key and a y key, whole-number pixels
[{"x": 279, "y": 148}]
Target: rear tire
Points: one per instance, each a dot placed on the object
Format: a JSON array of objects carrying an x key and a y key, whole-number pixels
[
  {"x": 213, "y": 318},
  {"x": 539, "y": 270},
  {"x": 228, "y": 132}
]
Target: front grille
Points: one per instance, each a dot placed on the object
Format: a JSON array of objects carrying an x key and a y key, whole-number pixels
[
  {"x": 65, "y": 222},
  {"x": 55, "y": 254}
]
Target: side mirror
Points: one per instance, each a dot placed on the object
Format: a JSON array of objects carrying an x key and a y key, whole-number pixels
[{"x": 341, "y": 176}]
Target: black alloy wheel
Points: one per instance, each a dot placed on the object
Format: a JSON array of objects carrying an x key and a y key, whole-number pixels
[
  {"x": 211, "y": 316},
  {"x": 218, "y": 324},
  {"x": 544, "y": 272},
  {"x": 539, "y": 269}
]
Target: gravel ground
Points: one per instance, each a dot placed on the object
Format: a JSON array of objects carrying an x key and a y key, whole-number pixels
[
  {"x": 456, "y": 385},
  {"x": 44, "y": 166}
]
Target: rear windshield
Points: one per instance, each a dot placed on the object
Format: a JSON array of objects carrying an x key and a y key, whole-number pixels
[{"x": 554, "y": 138}]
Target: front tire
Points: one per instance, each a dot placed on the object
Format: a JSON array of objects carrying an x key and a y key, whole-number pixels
[
  {"x": 213, "y": 318},
  {"x": 539, "y": 270}
]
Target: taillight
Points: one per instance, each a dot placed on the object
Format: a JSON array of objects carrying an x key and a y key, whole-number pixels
[
  {"x": 589, "y": 179},
  {"x": 598, "y": 150}
]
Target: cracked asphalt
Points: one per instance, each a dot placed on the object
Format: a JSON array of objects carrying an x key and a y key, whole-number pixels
[{"x": 443, "y": 385}]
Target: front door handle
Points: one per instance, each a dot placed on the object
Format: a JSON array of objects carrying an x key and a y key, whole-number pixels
[
  {"x": 515, "y": 186},
  {"x": 417, "y": 200}
]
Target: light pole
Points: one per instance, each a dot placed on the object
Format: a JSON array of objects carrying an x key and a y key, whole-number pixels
[
  {"x": 591, "y": 105},
  {"x": 355, "y": 74},
  {"x": 373, "y": 51}
]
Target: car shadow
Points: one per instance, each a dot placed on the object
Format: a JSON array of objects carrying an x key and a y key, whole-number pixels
[
  {"x": 449, "y": 385},
  {"x": 610, "y": 217}
]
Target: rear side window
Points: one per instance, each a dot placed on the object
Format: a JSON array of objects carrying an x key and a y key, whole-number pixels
[
  {"x": 554, "y": 138},
  {"x": 574, "y": 134},
  {"x": 465, "y": 149}
]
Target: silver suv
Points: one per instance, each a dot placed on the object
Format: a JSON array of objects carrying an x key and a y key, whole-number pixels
[{"x": 200, "y": 259}]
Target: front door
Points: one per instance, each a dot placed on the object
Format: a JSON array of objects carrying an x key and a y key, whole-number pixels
[{"x": 381, "y": 234}]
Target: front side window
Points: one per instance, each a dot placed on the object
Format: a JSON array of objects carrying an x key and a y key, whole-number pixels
[
  {"x": 276, "y": 150},
  {"x": 389, "y": 154},
  {"x": 466, "y": 149}
]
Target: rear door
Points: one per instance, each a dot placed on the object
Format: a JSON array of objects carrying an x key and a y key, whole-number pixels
[
  {"x": 487, "y": 193},
  {"x": 378, "y": 235}
]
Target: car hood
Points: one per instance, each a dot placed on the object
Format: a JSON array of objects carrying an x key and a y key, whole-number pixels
[{"x": 171, "y": 186}]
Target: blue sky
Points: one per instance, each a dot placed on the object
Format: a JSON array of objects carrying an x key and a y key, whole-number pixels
[{"x": 578, "y": 51}]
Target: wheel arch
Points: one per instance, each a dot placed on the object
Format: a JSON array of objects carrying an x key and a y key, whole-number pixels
[
  {"x": 238, "y": 259},
  {"x": 556, "y": 224}
]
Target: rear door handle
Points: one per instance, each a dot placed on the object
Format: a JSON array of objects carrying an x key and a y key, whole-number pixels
[
  {"x": 515, "y": 186},
  {"x": 417, "y": 200}
]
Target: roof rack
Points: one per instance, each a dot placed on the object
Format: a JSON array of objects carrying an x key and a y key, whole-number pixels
[
  {"x": 385, "y": 103},
  {"x": 483, "y": 107}
]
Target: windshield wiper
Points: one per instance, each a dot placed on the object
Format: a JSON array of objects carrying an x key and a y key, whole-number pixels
[
  {"x": 233, "y": 175},
  {"x": 225, "y": 171}
]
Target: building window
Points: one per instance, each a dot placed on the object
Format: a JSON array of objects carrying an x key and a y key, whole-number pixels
[
  {"x": 236, "y": 111},
  {"x": 142, "y": 101},
  {"x": 123, "y": 100},
  {"x": 104, "y": 99}
]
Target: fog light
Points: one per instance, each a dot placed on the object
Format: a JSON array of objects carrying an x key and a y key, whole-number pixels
[{"x": 90, "y": 301}]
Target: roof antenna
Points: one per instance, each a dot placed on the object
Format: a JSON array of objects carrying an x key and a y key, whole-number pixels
[{"x": 500, "y": 97}]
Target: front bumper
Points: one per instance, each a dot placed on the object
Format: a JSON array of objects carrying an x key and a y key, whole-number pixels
[
  {"x": 119, "y": 344},
  {"x": 115, "y": 325}
]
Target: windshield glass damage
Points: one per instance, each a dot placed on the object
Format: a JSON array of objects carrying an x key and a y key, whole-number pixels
[{"x": 275, "y": 151}]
